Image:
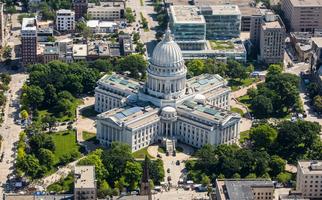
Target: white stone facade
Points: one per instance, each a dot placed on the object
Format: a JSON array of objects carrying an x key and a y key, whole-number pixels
[{"x": 191, "y": 111}]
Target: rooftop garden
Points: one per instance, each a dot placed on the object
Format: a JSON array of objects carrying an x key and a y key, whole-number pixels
[{"x": 221, "y": 44}]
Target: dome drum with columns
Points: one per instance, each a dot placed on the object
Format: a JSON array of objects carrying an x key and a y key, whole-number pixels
[
  {"x": 168, "y": 106},
  {"x": 167, "y": 71}
]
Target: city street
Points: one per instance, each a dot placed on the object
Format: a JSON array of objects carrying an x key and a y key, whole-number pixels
[
  {"x": 9, "y": 130},
  {"x": 147, "y": 37}
]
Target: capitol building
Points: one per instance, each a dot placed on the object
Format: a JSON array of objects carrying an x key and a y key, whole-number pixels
[{"x": 166, "y": 107}]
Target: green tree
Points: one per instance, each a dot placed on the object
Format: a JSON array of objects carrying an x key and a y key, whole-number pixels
[
  {"x": 34, "y": 95},
  {"x": 102, "y": 65},
  {"x": 46, "y": 158},
  {"x": 129, "y": 15},
  {"x": 262, "y": 106},
  {"x": 120, "y": 184},
  {"x": 136, "y": 37},
  {"x": 277, "y": 165},
  {"x": 24, "y": 114},
  {"x": 104, "y": 189},
  {"x": 313, "y": 89},
  {"x": 94, "y": 158},
  {"x": 134, "y": 63},
  {"x": 36, "y": 142},
  {"x": 6, "y": 52},
  {"x": 284, "y": 177},
  {"x": 196, "y": 66},
  {"x": 236, "y": 70},
  {"x": 5, "y": 78},
  {"x": 115, "y": 159},
  {"x": 317, "y": 103},
  {"x": 274, "y": 69},
  {"x": 205, "y": 180},
  {"x": 132, "y": 174},
  {"x": 263, "y": 136}
]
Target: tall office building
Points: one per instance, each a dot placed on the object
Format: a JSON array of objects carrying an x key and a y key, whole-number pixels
[
  {"x": 223, "y": 21},
  {"x": 80, "y": 8},
  {"x": 2, "y": 25},
  {"x": 303, "y": 15},
  {"x": 309, "y": 179},
  {"x": 272, "y": 39},
  {"x": 29, "y": 41},
  {"x": 188, "y": 27},
  {"x": 65, "y": 20}
]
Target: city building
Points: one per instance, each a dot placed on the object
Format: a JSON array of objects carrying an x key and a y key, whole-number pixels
[
  {"x": 219, "y": 50},
  {"x": 65, "y": 20},
  {"x": 29, "y": 41},
  {"x": 302, "y": 15},
  {"x": 302, "y": 43},
  {"x": 106, "y": 11},
  {"x": 248, "y": 9},
  {"x": 222, "y": 21},
  {"x": 50, "y": 53},
  {"x": 308, "y": 179},
  {"x": 246, "y": 189},
  {"x": 2, "y": 26},
  {"x": 188, "y": 27},
  {"x": 37, "y": 196},
  {"x": 84, "y": 183},
  {"x": 292, "y": 195},
  {"x": 98, "y": 49},
  {"x": 98, "y": 26},
  {"x": 80, "y": 8},
  {"x": 79, "y": 52},
  {"x": 272, "y": 39},
  {"x": 167, "y": 107},
  {"x": 126, "y": 45}
]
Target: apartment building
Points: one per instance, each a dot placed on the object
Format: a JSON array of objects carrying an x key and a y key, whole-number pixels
[
  {"x": 247, "y": 189},
  {"x": 65, "y": 20},
  {"x": 302, "y": 15},
  {"x": 106, "y": 11},
  {"x": 222, "y": 21},
  {"x": 29, "y": 41},
  {"x": 188, "y": 27},
  {"x": 85, "y": 183},
  {"x": 272, "y": 39},
  {"x": 80, "y": 8},
  {"x": 309, "y": 179}
]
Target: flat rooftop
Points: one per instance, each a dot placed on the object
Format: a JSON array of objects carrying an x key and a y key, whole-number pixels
[
  {"x": 29, "y": 24},
  {"x": 133, "y": 117},
  {"x": 186, "y": 14},
  {"x": 121, "y": 82},
  {"x": 240, "y": 189},
  {"x": 206, "y": 111},
  {"x": 306, "y": 3},
  {"x": 223, "y": 9},
  {"x": 80, "y": 50},
  {"x": 273, "y": 24},
  {"x": 85, "y": 177},
  {"x": 317, "y": 41},
  {"x": 202, "y": 82},
  {"x": 311, "y": 167}
]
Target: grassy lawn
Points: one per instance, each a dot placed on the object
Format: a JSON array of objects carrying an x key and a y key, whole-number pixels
[
  {"x": 53, "y": 112},
  {"x": 161, "y": 150},
  {"x": 65, "y": 143},
  {"x": 88, "y": 112},
  {"x": 237, "y": 110},
  {"x": 244, "y": 136},
  {"x": 221, "y": 45},
  {"x": 63, "y": 186},
  {"x": 245, "y": 100},
  {"x": 235, "y": 84},
  {"x": 88, "y": 136},
  {"x": 142, "y": 153}
]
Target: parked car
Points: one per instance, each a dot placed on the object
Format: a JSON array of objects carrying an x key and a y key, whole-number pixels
[
  {"x": 168, "y": 170},
  {"x": 178, "y": 162}
]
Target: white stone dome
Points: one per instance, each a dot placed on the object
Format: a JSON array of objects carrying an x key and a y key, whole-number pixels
[
  {"x": 167, "y": 53},
  {"x": 199, "y": 98},
  {"x": 169, "y": 109}
]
